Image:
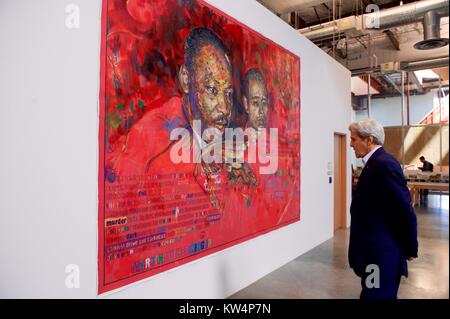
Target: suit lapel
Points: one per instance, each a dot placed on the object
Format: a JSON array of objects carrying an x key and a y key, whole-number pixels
[
  {"x": 369, "y": 163},
  {"x": 374, "y": 157}
]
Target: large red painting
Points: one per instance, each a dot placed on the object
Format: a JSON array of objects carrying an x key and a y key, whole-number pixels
[{"x": 199, "y": 136}]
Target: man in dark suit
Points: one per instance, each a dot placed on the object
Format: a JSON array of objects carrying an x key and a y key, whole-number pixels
[{"x": 383, "y": 231}]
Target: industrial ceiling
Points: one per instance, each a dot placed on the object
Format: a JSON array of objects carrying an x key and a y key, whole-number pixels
[{"x": 380, "y": 38}]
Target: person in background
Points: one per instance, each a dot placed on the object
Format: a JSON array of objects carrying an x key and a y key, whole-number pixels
[
  {"x": 383, "y": 230},
  {"x": 426, "y": 167}
]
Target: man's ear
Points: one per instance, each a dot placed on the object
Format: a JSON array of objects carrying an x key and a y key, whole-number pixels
[
  {"x": 183, "y": 78},
  {"x": 245, "y": 102}
]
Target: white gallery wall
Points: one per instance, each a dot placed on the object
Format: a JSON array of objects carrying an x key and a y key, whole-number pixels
[{"x": 49, "y": 82}]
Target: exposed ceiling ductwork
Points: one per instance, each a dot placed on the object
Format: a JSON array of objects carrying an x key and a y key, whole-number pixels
[
  {"x": 287, "y": 6},
  {"x": 408, "y": 66},
  {"x": 432, "y": 32},
  {"x": 426, "y": 64},
  {"x": 383, "y": 38},
  {"x": 393, "y": 17}
]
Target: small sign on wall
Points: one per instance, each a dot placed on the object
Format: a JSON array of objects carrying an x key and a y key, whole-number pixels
[{"x": 330, "y": 169}]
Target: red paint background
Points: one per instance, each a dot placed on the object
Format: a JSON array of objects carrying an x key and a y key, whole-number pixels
[{"x": 142, "y": 50}]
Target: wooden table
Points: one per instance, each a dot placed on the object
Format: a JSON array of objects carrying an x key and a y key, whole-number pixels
[{"x": 415, "y": 187}]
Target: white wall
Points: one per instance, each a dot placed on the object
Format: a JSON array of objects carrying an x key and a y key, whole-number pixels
[
  {"x": 49, "y": 140},
  {"x": 388, "y": 110}
]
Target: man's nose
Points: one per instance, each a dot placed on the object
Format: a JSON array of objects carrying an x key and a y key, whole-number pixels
[
  {"x": 222, "y": 104},
  {"x": 260, "y": 110}
]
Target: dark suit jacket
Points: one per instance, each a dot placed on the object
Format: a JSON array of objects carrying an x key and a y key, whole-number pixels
[
  {"x": 427, "y": 167},
  {"x": 383, "y": 227}
]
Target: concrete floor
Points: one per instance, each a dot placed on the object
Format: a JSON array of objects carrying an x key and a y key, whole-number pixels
[{"x": 323, "y": 272}]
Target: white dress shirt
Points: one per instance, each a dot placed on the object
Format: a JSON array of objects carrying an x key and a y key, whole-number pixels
[{"x": 365, "y": 159}]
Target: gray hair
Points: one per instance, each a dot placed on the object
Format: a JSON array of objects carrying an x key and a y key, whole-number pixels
[{"x": 369, "y": 127}]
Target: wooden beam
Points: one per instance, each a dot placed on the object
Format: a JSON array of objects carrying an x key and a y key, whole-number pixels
[
  {"x": 393, "y": 39},
  {"x": 442, "y": 72},
  {"x": 293, "y": 21},
  {"x": 362, "y": 43},
  {"x": 301, "y": 22},
  {"x": 418, "y": 86},
  {"x": 317, "y": 15}
]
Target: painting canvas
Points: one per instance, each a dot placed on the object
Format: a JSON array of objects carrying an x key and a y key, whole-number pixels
[{"x": 199, "y": 136}]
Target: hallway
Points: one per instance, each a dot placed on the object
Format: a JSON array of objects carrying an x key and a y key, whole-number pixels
[{"x": 323, "y": 272}]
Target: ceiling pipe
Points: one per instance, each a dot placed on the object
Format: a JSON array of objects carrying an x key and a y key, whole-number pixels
[
  {"x": 426, "y": 64},
  {"x": 409, "y": 66},
  {"x": 281, "y": 7},
  {"x": 384, "y": 19},
  {"x": 360, "y": 44},
  {"x": 406, "y": 14},
  {"x": 431, "y": 32},
  {"x": 305, "y": 4}
]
